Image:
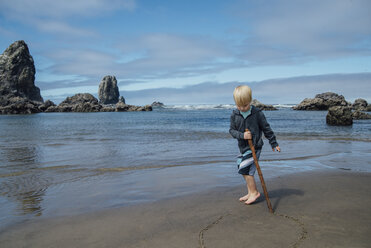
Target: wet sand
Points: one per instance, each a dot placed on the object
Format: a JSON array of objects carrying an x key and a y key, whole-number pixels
[{"x": 330, "y": 208}]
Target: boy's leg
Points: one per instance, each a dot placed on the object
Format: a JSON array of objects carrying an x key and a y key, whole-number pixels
[
  {"x": 245, "y": 197},
  {"x": 251, "y": 187}
]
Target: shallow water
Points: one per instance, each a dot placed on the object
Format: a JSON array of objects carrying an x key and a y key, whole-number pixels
[{"x": 70, "y": 163}]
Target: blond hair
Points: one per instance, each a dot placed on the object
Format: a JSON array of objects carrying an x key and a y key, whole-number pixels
[{"x": 242, "y": 95}]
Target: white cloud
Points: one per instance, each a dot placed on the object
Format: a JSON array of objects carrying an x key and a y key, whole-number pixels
[
  {"x": 53, "y": 16},
  {"x": 82, "y": 62},
  {"x": 62, "y": 9},
  {"x": 166, "y": 54},
  {"x": 147, "y": 57},
  {"x": 62, "y": 28},
  {"x": 286, "y": 31},
  {"x": 273, "y": 91}
]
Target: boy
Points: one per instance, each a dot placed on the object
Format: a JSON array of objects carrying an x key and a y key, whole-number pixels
[{"x": 249, "y": 117}]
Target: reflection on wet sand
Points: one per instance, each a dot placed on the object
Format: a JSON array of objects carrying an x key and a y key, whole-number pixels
[
  {"x": 31, "y": 202},
  {"x": 22, "y": 183}
]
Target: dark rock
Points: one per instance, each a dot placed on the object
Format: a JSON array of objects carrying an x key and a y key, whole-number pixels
[
  {"x": 339, "y": 116},
  {"x": 17, "y": 73},
  {"x": 157, "y": 104},
  {"x": 122, "y": 99},
  {"x": 80, "y": 103},
  {"x": 322, "y": 102},
  {"x": 107, "y": 109},
  {"x": 121, "y": 107},
  {"x": 358, "y": 115},
  {"x": 88, "y": 103},
  {"x": 108, "y": 91},
  {"x": 311, "y": 104},
  {"x": 20, "y": 105},
  {"x": 47, "y": 104},
  {"x": 18, "y": 93},
  {"x": 80, "y": 99},
  {"x": 145, "y": 108},
  {"x": 262, "y": 106},
  {"x": 52, "y": 109},
  {"x": 360, "y": 104}
]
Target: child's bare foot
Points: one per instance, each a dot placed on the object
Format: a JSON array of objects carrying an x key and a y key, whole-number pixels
[
  {"x": 244, "y": 198},
  {"x": 252, "y": 198}
]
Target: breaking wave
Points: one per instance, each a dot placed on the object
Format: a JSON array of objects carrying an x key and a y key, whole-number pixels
[
  {"x": 200, "y": 106},
  {"x": 214, "y": 106}
]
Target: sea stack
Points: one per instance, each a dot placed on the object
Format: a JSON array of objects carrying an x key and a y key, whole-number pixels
[
  {"x": 108, "y": 91},
  {"x": 18, "y": 93},
  {"x": 17, "y": 72}
]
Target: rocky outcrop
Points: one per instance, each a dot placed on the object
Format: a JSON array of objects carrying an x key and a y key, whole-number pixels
[
  {"x": 47, "y": 104},
  {"x": 360, "y": 104},
  {"x": 322, "y": 102},
  {"x": 358, "y": 115},
  {"x": 122, "y": 99},
  {"x": 18, "y": 105},
  {"x": 77, "y": 103},
  {"x": 122, "y": 107},
  {"x": 108, "y": 91},
  {"x": 80, "y": 103},
  {"x": 17, "y": 73},
  {"x": 18, "y": 93},
  {"x": 262, "y": 106},
  {"x": 157, "y": 105},
  {"x": 88, "y": 103},
  {"x": 339, "y": 116}
]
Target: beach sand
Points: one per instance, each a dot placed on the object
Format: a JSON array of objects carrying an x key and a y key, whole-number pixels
[{"x": 330, "y": 208}]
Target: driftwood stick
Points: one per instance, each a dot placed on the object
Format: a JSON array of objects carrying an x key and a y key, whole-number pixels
[{"x": 260, "y": 174}]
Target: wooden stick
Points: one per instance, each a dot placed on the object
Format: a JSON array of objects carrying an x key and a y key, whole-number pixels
[{"x": 260, "y": 173}]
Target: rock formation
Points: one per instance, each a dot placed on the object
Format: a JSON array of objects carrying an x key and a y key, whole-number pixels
[
  {"x": 262, "y": 106},
  {"x": 157, "y": 105},
  {"x": 47, "y": 104},
  {"x": 360, "y": 104},
  {"x": 18, "y": 93},
  {"x": 322, "y": 102},
  {"x": 77, "y": 103},
  {"x": 122, "y": 107},
  {"x": 18, "y": 105},
  {"x": 108, "y": 91},
  {"x": 88, "y": 103},
  {"x": 122, "y": 99},
  {"x": 358, "y": 115},
  {"x": 17, "y": 73},
  {"x": 339, "y": 116}
]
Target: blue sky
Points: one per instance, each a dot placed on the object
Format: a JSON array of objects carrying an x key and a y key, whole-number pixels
[{"x": 184, "y": 52}]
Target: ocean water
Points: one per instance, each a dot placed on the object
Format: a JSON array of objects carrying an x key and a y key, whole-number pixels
[{"x": 55, "y": 164}]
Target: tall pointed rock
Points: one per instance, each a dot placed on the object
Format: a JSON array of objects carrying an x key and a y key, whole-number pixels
[
  {"x": 17, "y": 73},
  {"x": 108, "y": 90}
]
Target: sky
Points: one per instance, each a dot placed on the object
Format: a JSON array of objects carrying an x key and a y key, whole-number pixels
[{"x": 195, "y": 52}]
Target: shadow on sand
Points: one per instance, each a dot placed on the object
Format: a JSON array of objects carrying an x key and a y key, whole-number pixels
[{"x": 277, "y": 195}]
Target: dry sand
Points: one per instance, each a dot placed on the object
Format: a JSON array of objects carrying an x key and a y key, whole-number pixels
[{"x": 314, "y": 209}]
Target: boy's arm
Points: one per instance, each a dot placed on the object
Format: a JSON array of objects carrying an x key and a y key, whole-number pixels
[
  {"x": 267, "y": 130},
  {"x": 233, "y": 130}
]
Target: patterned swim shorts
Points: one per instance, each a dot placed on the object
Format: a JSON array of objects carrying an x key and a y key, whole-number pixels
[{"x": 246, "y": 164}]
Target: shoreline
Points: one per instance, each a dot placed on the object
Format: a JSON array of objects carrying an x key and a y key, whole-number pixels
[{"x": 311, "y": 209}]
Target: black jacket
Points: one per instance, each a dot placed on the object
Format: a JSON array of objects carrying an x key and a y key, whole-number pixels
[{"x": 257, "y": 124}]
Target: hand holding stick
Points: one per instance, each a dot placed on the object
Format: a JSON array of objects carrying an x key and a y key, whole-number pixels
[{"x": 260, "y": 173}]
